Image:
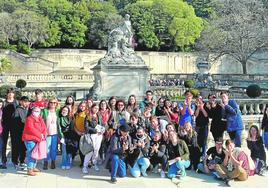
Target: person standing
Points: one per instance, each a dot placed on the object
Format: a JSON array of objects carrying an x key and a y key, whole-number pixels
[
  {"x": 201, "y": 124},
  {"x": 9, "y": 126},
  {"x": 231, "y": 111},
  {"x": 51, "y": 115},
  {"x": 1, "y": 129},
  {"x": 96, "y": 130},
  {"x": 264, "y": 127},
  {"x": 218, "y": 125},
  {"x": 34, "y": 132},
  {"x": 19, "y": 116},
  {"x": 186, "y": 109},
  {"x": 65, "y": 126}
]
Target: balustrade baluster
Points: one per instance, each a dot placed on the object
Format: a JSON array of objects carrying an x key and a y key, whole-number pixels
[
  {"x": 244, "y": 111},
  {"x": 251, "y": 109},
  {"x": 257, "y": 108}
]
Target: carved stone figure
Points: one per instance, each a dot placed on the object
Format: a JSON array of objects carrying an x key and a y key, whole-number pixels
[{"x": 120, "y": 46}]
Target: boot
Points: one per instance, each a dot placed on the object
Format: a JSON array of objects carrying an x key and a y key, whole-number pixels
[
  {"x": 36, "y": 170},
  {"x": 45, "y": 167},
  {"x": 53, "y": 165},
  {"x": 30, "y": 172}
]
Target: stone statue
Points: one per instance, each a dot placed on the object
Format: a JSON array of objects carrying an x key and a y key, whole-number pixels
[{"x": 120, "y": 46}]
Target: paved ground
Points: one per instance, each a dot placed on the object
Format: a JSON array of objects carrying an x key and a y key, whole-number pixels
[{"x": 73, "y": 178}]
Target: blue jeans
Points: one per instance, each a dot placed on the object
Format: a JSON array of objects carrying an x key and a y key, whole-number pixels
[
  {"x": 139, "y": 167},
  {"x": 179, "y": 165},
  {"x": 265, "y": 139},
  {"x": 52, "y": 146},
  {"x": 65, "y": 158},
  {"x": 118, "y": 165},
  {"x": 31, "y": 163}
]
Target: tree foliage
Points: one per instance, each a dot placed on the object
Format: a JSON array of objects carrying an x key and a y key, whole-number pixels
[
  {"x": 239, "y": 29},
  {"x": 169, "y": 24},
  {"x": 5, "y": 64}
]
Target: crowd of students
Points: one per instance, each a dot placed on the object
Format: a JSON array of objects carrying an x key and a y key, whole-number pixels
[{"x": 162, "y": 137}]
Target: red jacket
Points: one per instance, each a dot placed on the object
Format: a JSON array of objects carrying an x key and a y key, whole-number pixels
[{"x": 33, "y": 129}]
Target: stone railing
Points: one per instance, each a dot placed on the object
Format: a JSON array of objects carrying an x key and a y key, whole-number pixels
[{"x": 50, "y": 77}]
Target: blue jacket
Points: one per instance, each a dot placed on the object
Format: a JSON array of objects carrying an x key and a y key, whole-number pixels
[{"x": 233, "y": 116}]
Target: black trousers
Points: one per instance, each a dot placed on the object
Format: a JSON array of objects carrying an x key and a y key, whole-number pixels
[
  {"x": 19, "y": 149},
  {"x": 159, "y": 160}
]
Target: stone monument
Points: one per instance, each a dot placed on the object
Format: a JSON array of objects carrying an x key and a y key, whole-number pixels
[{"x": 121, "y": 72}]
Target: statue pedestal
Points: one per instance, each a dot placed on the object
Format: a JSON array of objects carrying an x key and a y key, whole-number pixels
[{"x": 120, "y": 80}]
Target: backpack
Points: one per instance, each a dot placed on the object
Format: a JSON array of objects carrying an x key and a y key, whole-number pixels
[{"x": 86, "y": 144}]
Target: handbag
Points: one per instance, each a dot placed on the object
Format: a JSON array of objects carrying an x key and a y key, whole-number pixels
[
  {"x": 40, "y": 150},
  {"x": 86, "y": 144}
]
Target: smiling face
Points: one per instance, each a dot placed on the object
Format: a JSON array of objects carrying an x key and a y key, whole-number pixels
[
  {"x": 103, "y": 105},
  {"x": 82, "y": 107},
  {"x": 132, "y": 100},
  {"x": 95, "y": 109},
  {"x": 64, "y": 111},
  {"x": 120, "y": 106}
]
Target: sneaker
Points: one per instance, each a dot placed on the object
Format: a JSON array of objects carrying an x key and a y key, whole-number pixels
[
  {"x": 84, "y": 170},
  {"x": 23, "y": 166},
  {"x": 113, "y": 180},
  {"x": 3, "y": 166},
  {"x": 67, "y": 167},
  {"x": 144, "y": 174},
  {"x": 162, "y": 174},
  {"x": 228, "y": 182},
  {"x": 155, "y": 169},
  {"x": 63, "y": 167},
  {"x": 183, "y": 173},
  {"x": 96, "y": 168}
]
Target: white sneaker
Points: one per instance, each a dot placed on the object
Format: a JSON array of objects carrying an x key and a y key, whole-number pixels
[
  {"x": 162, "y": 174},
  {"x": 96, "y": 167},
  {"x": 63, "y": 167},
  {"x": 67, "y": 167},
  {"x": 84, "y": 170}
]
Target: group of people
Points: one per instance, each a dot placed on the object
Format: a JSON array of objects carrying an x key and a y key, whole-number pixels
[{"x": 161, "y": 136}]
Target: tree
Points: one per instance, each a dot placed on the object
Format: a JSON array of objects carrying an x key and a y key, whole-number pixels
[
  {"x": 7, "y": 29},
  {"x": 104, "y": 18},
  {"x": 169, "y": 24},
  {"x": 143, "y": 23},
  {"x": 70, "y": 18},
  {"x": 121, "y": 4},
  {"x": 239, "y": 29},
  {"x": 31, "y": 27},
  {"x": 203, "y": 8}
]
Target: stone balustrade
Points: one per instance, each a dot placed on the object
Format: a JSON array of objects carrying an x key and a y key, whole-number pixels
[{"x": 50, "y": 77}]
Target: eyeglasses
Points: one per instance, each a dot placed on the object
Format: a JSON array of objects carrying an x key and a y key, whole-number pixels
[
  {"x": 120, "y": 105},
  {"x": 53, "y": 102}
]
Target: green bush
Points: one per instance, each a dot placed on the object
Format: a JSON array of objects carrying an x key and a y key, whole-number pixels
[
  {"x": 195, "y": 92},
  {"x": 23, "y": 48},
  {"x": 253, "y": 91},
  {"x": 20, "y": 83},
  {"x": 189, "y": 84},
  {"x": 3, "y": 90}
]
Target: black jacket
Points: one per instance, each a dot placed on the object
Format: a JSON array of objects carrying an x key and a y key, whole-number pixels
[
  {"x": 137, "y": 151},
  {"x": 19, "y": 117}
]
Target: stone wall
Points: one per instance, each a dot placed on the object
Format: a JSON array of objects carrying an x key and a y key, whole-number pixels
[{"x": 160, "y": 62}]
